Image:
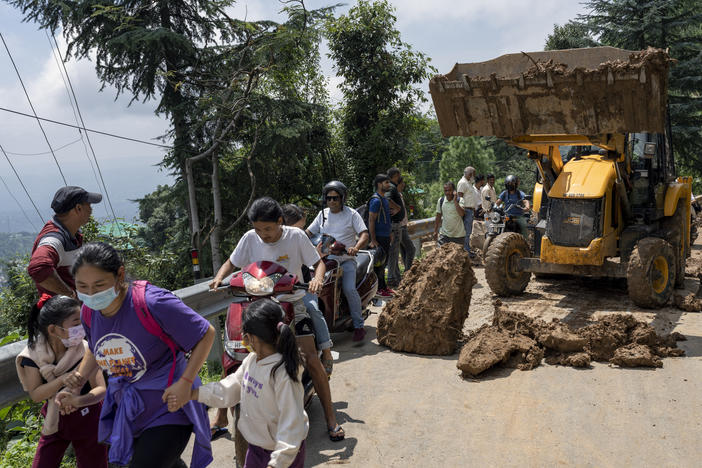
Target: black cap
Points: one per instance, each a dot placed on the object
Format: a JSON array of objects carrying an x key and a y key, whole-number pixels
[{"x": 68, "y": 197}]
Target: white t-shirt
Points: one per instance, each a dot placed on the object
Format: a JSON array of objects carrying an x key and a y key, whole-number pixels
[
  {"x": 487, "y": 191},
  {"x": 342, "y": 226},
  {"x": 292, "y": 250},
  {"x": 468, "y": 200}
]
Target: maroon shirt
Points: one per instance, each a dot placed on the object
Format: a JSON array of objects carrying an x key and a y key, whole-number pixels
[{"x": 54, "y": 250}]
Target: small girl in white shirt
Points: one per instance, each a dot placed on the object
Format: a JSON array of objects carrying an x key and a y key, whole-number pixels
[{"x": 267, "y": 385}]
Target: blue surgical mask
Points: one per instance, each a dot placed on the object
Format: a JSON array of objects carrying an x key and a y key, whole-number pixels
[{"x": 100, "y": 300}]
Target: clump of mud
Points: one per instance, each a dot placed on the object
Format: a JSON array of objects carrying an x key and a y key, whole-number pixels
[
  {"x": 516, "y": 340},
  {"x": 692, "y": 302},
  {"x": 427, "y": 313}
]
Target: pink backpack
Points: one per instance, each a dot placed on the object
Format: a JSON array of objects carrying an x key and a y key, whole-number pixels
[{"x": 146, "y": 319}]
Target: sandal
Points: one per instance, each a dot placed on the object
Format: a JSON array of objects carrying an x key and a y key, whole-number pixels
[
  {"x": 336, "y": 433},
  {"x": 328, "y": 366},
  {"x": 217, "y": 432}
]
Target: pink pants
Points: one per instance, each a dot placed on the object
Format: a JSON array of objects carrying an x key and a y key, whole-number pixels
[{"x": 257, "y": 457}]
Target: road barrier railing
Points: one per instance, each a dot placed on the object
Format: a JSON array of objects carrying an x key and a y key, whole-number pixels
[{"x": 209, "y": 304}]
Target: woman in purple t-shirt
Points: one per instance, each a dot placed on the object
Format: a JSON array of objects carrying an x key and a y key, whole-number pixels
[{"x": 135, "y": 420}]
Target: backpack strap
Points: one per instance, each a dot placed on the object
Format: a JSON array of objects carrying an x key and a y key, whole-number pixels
[
  {"x": 150, "y": 323},
  {"x": 86, "y": 315}
]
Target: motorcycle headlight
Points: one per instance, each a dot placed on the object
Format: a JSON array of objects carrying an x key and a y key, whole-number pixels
[
  {"x": 260, "y": 287},
  {"x": 235, "y": 349},
  {"x": 495, "y": 218}
]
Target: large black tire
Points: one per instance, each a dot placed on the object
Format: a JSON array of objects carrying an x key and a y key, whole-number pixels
[
  {"x": 240, "y": 444},
  {"x": 501, "y": 261},
  {"x": 651, "y": 273}
]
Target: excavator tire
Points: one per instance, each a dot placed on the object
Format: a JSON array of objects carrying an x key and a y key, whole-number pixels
[
  {"x": 501, "y": 261},
  {"x": 651, "y": 273}
]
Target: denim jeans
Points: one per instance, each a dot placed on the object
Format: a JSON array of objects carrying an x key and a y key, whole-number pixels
[
  {"x": 320, "y": 325},
  {"x": 348, "y": 285},
  {"x": 408, "y": 249},
  {"x": 394, "y": 256},
  {"x": 468, "y": 224}
]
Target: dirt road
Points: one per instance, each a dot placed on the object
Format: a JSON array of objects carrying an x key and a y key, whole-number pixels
[{"x": 402, "y": 410}]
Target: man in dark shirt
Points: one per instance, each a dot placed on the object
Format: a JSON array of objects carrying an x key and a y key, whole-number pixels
[
  {"x": 59, "y": 240},
  {"x": 397, "y": 212}
]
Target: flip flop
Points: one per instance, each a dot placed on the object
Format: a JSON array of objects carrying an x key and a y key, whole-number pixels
[
  {"x": 336, "y": 433},
  {"x": 217, "y": 432},
  {"x": 328, "y": 366}
]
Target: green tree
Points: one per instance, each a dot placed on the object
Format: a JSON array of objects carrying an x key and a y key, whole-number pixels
[
  {"x": 572, "y": 35},
  {"x": 380, "y": 117},
  {"x": 463, "y": 152},
  {"x": 666, "y": 24}
]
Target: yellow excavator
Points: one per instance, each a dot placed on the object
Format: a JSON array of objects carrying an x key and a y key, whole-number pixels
[{"x": 595, "y": 122}]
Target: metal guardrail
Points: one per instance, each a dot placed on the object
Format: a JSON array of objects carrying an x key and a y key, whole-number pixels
[{"x": 198, "y": 297}]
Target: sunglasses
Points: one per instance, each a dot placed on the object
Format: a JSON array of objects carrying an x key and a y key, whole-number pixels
[{"x": 333, "y": 197}]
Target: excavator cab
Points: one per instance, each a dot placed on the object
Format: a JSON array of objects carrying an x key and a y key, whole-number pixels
[{"x": 594, "y": 122}]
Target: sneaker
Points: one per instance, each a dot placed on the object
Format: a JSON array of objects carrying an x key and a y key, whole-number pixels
[
  {"x": 384, "y": 293},
  {"x": 359, "y": 334}
]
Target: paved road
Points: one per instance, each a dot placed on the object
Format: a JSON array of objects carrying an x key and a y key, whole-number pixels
[{"x": 403, "y": 410}]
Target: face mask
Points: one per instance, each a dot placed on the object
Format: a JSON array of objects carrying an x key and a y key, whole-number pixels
[
  {"x": 99, "y": 300},
  {"x": 75, "y": 336},
  {"x": 246, "y": 345}
]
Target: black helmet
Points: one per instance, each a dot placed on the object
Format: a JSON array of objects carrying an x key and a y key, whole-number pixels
[
  {"x": 336, "y": 186},
  {"x": 511, "y": 182}
]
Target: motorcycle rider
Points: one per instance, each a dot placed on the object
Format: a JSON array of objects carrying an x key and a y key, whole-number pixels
[
  {"x": 516, "y": 200},
  {"x": 270, "y": 240},
  {"x": 293, "y": 216},
  {"x": 344, "y": 224}
]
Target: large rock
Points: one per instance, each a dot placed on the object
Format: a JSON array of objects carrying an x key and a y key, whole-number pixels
[{"x": 427, "y": 313}]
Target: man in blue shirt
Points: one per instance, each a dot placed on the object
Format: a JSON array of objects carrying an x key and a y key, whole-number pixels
[
  {"x": 379, "y": 228},
  {"x": 514, "y": 199}
]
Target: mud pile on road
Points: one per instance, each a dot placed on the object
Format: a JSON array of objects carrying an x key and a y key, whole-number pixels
[
  {"x": 516, "y": 340},
  {"x": 427, "y": 313}
]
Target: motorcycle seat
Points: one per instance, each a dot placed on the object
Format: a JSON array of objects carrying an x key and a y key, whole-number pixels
[{"x": 363, "y": 260}]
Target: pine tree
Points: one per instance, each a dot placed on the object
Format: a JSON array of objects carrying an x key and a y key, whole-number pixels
[{"x": 666, "y": 24}]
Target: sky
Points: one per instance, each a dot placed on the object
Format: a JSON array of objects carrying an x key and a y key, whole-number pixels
[{"x": 447, "y": 31}]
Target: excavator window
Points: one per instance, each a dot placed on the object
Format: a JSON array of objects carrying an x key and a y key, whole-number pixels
[{"x": 570, "y": 152}]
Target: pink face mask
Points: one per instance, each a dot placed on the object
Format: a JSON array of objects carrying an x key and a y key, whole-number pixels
[{"x": 75, "y": 336}]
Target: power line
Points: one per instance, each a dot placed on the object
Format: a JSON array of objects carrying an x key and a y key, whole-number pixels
[
  {"x": 45, "y": 152},
  {"x": 86, "y": 129},
  {"x": 73, "y": 108},
  {"x": 32, "y": 106},
  {"x": 82, "y": 122},
  {"x": 18, "y": 204},
  {"x": 21, "y": 183}
]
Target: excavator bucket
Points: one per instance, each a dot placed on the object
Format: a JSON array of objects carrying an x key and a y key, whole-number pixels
[{"x": 588, "y": 91}]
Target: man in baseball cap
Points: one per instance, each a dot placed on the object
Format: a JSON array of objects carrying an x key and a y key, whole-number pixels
[{"x": 59, "y": 240}]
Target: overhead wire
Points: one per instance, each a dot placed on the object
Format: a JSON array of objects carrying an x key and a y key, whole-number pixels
[
  {"x": 43, "y": 153},
  {"x": 18, "y": 204},
  {"x": 32, "y": 106},
  {"x": 90, "y": 145},
  {"x": 73, "y": 109},
  {"x": 22, "y": 183},
  {"x": 121, "y": 137}
]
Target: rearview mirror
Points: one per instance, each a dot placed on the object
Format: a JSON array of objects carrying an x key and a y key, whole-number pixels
[{"x": 649, "y": 150}]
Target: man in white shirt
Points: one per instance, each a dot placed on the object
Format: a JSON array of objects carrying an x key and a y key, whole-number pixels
[
  {"x": 344, "y": 224},
  {"x": 290, "y": 247},
  {"x": 469, "y": 202},
  {"x": 488, "y": 191}
]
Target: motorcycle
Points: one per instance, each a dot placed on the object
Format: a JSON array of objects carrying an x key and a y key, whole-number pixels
[
  {"x": 254, "y": 282},
  {"x": 332, "y": 301},
  {"x": 498, "y": 221}
]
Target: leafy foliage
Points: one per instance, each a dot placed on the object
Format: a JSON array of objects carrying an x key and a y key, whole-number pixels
[
  {"x": 380, "y": 118},
  {"x": 666, "y": 24},
  {"x": 17, "y": 298},
  {"x": 463, "y": 152},
  {"x": 572, "y": 35}
]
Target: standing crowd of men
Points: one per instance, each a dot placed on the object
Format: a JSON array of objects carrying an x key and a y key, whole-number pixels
[{"x": 471, "y": 200}]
